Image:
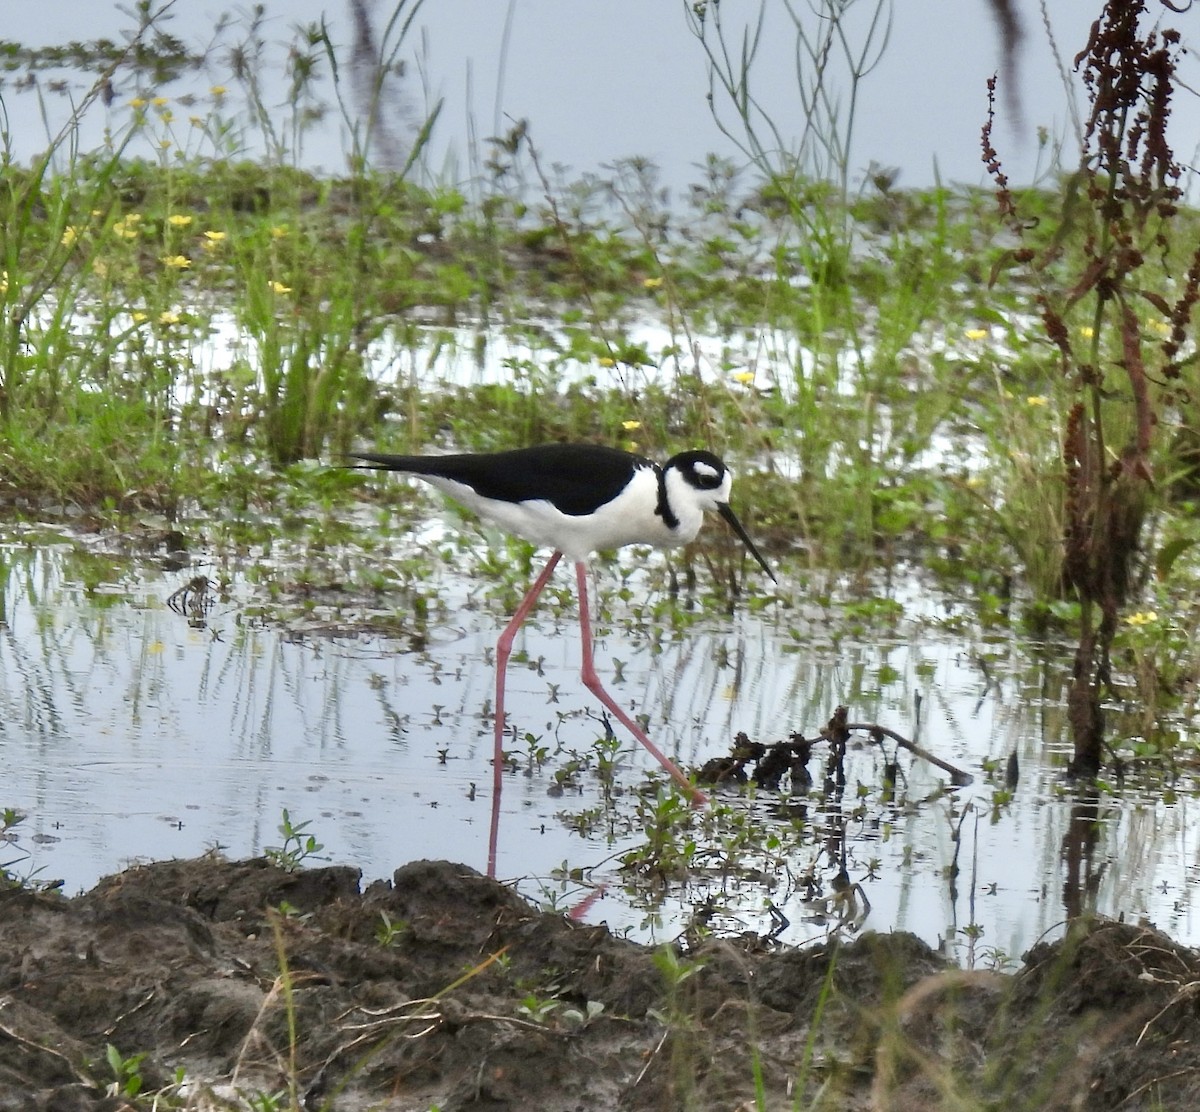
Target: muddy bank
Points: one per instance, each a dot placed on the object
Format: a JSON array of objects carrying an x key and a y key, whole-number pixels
[{"x": 444, "y": 988}]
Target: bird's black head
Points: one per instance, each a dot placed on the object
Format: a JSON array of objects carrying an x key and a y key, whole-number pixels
[
  {"x": 700, "y": 470},
  {"x": 706, "y": 483}
]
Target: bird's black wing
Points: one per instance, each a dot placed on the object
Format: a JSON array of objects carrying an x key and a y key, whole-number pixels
[{"x": 576, "y": 478}]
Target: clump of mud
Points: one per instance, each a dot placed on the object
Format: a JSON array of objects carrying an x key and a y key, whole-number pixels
[{"x": 445, "y": 988}]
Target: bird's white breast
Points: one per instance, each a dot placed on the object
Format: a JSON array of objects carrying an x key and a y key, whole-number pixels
[{"x": 630, "y": 518}]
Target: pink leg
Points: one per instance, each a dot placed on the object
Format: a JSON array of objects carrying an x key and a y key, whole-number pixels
[
  {"x": 592, "y": 682},
  {"x": 503, "y": 652}
]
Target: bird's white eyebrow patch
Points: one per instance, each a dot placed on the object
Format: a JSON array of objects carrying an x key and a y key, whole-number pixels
[{"x": 706, "y": 469}]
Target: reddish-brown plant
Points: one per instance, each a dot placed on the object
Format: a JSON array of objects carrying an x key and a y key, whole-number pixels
[{"x": 1121, "y": 204}]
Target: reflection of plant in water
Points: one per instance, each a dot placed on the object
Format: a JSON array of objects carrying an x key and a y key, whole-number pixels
[{"x": 815, "y": 854}]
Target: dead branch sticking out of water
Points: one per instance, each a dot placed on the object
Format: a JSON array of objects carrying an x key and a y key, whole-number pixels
[{"x": 771, "y": 762}]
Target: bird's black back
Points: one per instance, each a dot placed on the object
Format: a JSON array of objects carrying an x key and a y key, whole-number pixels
[{"x": 576, "y": 478}]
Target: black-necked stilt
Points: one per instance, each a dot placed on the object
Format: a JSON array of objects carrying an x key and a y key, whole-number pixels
[{"x": 579, "y": 499}]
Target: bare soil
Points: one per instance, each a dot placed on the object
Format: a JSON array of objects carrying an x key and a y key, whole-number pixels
[{"x": 191, "y": 963}]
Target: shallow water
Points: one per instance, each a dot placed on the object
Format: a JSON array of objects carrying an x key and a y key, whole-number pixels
[{"x": 130, "y": 733}]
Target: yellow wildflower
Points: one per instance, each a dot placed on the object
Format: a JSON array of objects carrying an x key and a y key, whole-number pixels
[
  {"x": 168, "y": 316},
  {"x": 652, "y": 283},
  {"x": 279, "y": 287},
  {"x": 139, "y": 317},
  {"x": 744, "y": 376},
  {"x": 176, "y": 262},
  {"x": 214, "y": 236},
  {"x": 1037, "y": 399},
  {"x": 100, "y": 268},
  {"x": 3, "y": 282},
  {"x": 1162, "y": 327},
  {"x": 70, "y": 235},
  {"x": 179, "y": 220},
  {"x": 1142, "y": 618},
  {"x": 218, "y": 90},
  {"x": 195, "y": 121},
  {"x": 158, "y": 102},
  {"x": 977, "y": 333},
  {"x": 629, "y": 426},
  {"x": 137, "y": 102},
  {"x": 166, "y": 115},
  {"x": 605, "y": 361},
  {"x": 1087, "y": 331},
  {"x": 279, "y": 231}
]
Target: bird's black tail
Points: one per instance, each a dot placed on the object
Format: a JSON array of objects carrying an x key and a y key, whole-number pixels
[{"x": 378, "y": 461}]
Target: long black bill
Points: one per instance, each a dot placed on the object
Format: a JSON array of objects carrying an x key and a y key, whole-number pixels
[{"x": 728, "y": 514}]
